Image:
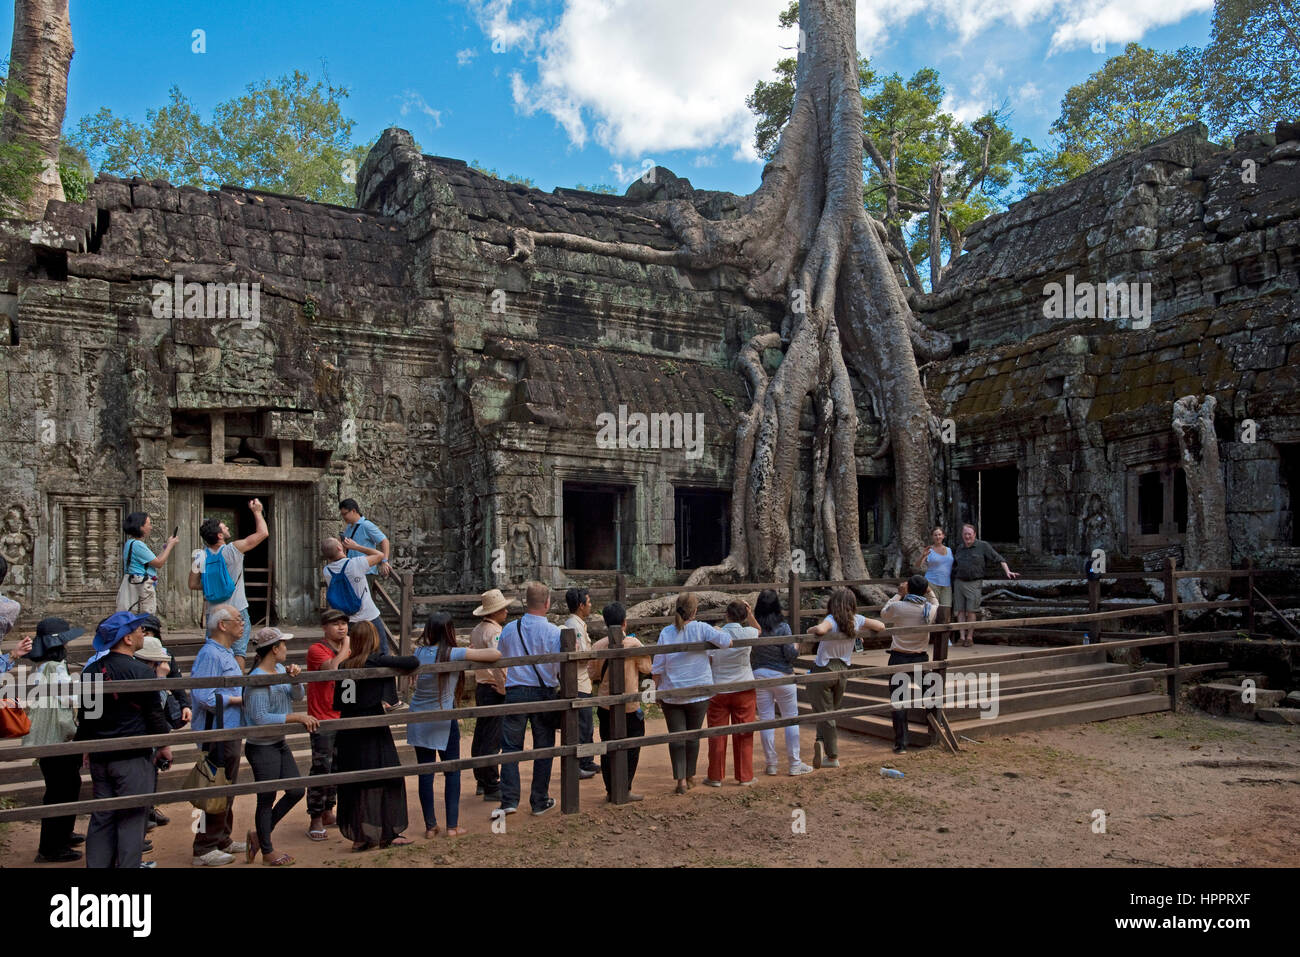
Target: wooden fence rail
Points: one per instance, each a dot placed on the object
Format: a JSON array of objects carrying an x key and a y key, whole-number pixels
[{"x": 570, "y": 750}]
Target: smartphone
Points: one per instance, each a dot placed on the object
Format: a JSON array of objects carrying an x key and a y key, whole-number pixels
[{"x": 176, "y": 531}]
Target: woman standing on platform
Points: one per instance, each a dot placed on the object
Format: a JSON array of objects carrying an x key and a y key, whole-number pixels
[
  {"x": 138, "y": 592},
  {"x": 440, "y": 739},
  {"x": 369, "y": 812},
  {"x": 937, "y": 560}
]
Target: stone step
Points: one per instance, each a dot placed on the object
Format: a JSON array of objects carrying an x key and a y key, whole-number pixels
[
  {"x": 1079, "y": 713},
  {"x": 1228, "y": 698}
]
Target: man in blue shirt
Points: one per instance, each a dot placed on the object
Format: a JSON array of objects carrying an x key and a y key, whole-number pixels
[
  {"x": 530, "y": 635},
  {"x": 364, "y": 532},
  {"x": 212, "y": 844}
]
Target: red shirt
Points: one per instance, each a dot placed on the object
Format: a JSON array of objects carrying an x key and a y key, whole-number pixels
[{"x": 320, "y": 696}]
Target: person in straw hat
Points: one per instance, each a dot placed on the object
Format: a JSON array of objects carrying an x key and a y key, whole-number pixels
[
  {"x": 489, "y": 688},
  {"x": 270, "y": 757}
]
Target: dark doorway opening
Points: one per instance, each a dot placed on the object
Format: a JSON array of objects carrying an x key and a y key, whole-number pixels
[
  {"x": 234, "y": 511},
  {"x": 1151, "y": 503},
  {"x": 703, "y": 526},
  {"x": 1288, "y": 532},
  {"x": 875, "y": 508},
  {"x": 990, "y": 500},
  {"x": 597, "y": 519}
]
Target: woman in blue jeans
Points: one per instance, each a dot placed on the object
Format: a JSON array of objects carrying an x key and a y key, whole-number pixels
[{"x": 435, "y": 740}]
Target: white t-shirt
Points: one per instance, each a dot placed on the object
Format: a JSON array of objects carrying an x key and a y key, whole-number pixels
[
  {"x": 354, "y": 569},
  {"x": 841, "y": 648},
  {"x": 732, "y": 664}
]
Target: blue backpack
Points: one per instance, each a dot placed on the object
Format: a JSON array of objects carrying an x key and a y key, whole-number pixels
[
  {"x": 341, "y": 595},
  {"x": 217, "y": 584}
]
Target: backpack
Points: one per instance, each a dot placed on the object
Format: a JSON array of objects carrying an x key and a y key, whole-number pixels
[
  {"x": 217, "y": 585},
  {"x": 341, "y": 595}
]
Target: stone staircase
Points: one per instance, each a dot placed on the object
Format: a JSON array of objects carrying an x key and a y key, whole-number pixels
[{"x": 1076, "y": 685}]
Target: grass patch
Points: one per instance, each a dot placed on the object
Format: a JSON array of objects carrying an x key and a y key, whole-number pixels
[
  {"x": 1176, "y": 727},
  {"x": 893, "y": 800}
]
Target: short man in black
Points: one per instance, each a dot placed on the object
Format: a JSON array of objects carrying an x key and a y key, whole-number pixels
[
  {"x": 968, "y": 569},
  {"x": 116, "y": 838}
]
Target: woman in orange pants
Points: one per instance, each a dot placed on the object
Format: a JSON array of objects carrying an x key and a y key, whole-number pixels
[{"x": 734, "y": 707}]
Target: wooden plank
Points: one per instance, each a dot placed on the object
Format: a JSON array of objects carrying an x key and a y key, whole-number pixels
[
  {"x": 617, "y": 760},
  {"x": 569, "y": 735}
]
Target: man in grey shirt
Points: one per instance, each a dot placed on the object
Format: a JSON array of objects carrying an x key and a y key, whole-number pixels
[
  {"x": 968, "y": 570},
  {"x": 216, "y": 538}
]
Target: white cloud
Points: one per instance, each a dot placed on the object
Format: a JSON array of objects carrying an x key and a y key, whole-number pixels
[
  {"x": 413, "y": 102},
  {"x": 704, "y": 160},
  {"x": 638, "y": 76},
  {"x": 463, "y": 57}
]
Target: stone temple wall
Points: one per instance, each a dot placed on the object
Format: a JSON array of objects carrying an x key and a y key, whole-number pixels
[
  {"x": 1082, "y": 405},
  {"x": 415, "y": 354}
]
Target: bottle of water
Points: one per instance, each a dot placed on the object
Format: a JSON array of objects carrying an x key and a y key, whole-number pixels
[
  {"x": 1087, "y": 639},
  {"x": 890, "y": 773}
]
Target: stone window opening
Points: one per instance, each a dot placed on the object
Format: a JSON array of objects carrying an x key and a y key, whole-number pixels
[
  {"x": 875, "y": 510},
  {"x": 597, "y": 526},
  {"x": 703, "y": 526},
  {"x": 1288, "y": 532},
  {"x": 1157, "y": 513}
]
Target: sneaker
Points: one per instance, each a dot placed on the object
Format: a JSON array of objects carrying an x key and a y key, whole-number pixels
[
  {"x": 158, "y": 817},
  {"x": 214, "y": 858},
  {"x": 234, "y": 847},
  {"x": 539, "y": 811},
  {"x": 710, "y": 783},
  {"x": 64, "y": 857},
  {"x": 150, "y": 826},
  {"x": 770, "y": 770},
  {"x": 585, "y": 773},
  {"x": 633, "y": 796},
  {"x": 507, "y": 810},
  {"x": 800, "y": 768},
  {"x": 76, "y": 840},
  {"x": 900, "y": 749},
  {"x": 817, "y": 754},
  {"x": 149, "y": 864},
  {"x": 831, "y": 763},
  {"x": 746, "y": 784}
]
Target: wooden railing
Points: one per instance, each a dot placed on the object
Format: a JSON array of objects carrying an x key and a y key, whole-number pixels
[{"x": 570, "y": 750}]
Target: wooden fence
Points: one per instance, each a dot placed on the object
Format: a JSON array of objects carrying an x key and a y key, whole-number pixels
[{"x": 570, "y": 751}]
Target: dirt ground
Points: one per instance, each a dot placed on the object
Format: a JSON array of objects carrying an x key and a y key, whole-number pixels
[{"x": 1171, "y": 790}]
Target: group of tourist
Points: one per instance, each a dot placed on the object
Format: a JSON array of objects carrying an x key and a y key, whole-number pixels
[{"x": 692, "y": 687}]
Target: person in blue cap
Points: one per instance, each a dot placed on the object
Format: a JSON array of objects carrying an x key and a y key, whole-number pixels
[{"x": 116, "y": 838}]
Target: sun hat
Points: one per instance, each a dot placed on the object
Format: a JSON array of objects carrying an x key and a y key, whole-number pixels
[
  {"x": 153, "y": 650},
  {"x": 115, "y": 627},
  {"x": 50, "y": 634},
  {"x": 492, "y": 601}
]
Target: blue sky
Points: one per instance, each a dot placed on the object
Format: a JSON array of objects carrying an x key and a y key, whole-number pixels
[{"x": 586, "y": 91}]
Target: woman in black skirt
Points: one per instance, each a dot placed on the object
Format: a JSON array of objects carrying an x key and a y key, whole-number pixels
[{"x": 371, "y": 812}]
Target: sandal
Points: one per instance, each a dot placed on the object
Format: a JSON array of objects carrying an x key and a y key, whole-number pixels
[
  {"x": 398, "y": 841},
  {"x": 681, "y": 787},
  {"x": 253, "y": 847},
  {"x": 358, "y": 846},
  {"x": 432, "y": 832},
  {"x": 318, "y": 834},
  {"x": 280, "y": 860},
  {"x": 456, "y": 831}
]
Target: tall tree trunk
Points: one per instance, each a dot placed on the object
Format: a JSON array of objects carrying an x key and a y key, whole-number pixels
[
  {"x": 37, "y": 95},
  {"x": 804, "y": 239}
]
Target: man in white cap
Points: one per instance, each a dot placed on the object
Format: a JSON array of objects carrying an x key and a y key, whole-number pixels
[{"x": 489, "y": 688}]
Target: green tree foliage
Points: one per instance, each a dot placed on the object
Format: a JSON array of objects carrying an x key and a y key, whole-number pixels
[
  {"x": 1249, "y": 74},
  {"x": 283, "y": 136},
  {"x": 1135, "y": 98},
  {"x": 599, "y": 188},
  {"x": 509, "y": 177},
  {"x": 922, "y": 163}
]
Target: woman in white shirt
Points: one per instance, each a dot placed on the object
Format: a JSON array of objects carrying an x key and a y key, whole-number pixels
[
  {"x": 733, "y": 707},
  {"x": 685, "y": 669},
  {"x": 835, "y": 654}
]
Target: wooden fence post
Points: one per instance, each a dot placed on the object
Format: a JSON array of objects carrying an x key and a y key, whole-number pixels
[
  {"x": 407, "y": 611},
  {"x": 618, "y": 783},
  {"x": 1250, "y": 597},
  {"x": 620, "y": 589},
  {"x": 1174, "y": 682},
  {"x": 796, "y": 619},
  {"x": 568, "y": 725}
]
